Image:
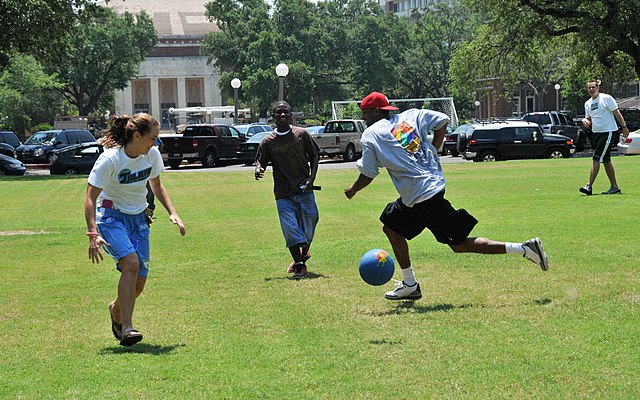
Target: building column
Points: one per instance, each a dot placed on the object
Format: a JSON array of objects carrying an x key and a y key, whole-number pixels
[
  {"x": 155, "y": 99},
  {"x": 182, "y": 92},
  {"x": 212, "y": 95}
]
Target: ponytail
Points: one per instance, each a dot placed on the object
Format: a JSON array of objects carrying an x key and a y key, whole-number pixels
[{"x": 120, "y": 128}]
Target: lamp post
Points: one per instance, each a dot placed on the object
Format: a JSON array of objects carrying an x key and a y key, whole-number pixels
[
  {"x": 282, "y": 70},
  {"x": 557, "y": 88},
  {"x": 477, "y": 103},
  {"x": 235, "y": 84}
]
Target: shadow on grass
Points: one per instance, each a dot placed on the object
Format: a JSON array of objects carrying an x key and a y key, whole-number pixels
[
  {"x": 141, "y": 348},
  {"x": 310, "y": 275},
  {"x": 404, "y": 307},
  {"x": 385, "y": 341}
]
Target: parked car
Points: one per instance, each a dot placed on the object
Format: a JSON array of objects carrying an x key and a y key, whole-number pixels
[
  {"x": 631, "y": 118},
  {"x": 451, "y": 140},
  {"x": 7, "y": 150},
  {"x": 11, "y": 166},
  {"x": 10, "y": 138},
  {"x": 248, "y": 130},
  {"x": 75, "y": 159},
  {"x": 207, "y": 143},
  {"x": 555, "y": 122},
  {"x": 507, "y": 140},
  {"x": 341, "y": 137},
  {"x": 39, "y": 147},
  {"x": 247, "y": 151},
  {"x": 441, "y": 150},
  {"x": 630, "y": 145},
  {"x": 316, "y": 129}
]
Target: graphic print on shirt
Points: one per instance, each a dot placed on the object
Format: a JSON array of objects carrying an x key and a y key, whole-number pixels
[
  {"x": 407, "y": 136},
  {"x": 126, "y": 176},
  {"x": 594, "y": 106}
]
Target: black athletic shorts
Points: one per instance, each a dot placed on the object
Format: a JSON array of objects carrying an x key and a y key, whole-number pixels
[
  {"x": 602, "y": 144},
  {"x": 448, "y": 225}
]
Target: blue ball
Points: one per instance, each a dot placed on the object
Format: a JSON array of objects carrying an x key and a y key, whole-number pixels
[{"x": 376, "y": 267}]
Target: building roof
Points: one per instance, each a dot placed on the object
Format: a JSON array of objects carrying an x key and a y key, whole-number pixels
[{"x": 170, "y": 17}]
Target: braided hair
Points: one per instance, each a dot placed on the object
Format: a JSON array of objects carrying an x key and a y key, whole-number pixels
[{"x": 120, "y": 128}]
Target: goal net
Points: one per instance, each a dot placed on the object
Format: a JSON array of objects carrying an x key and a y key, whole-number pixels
[{"x": 350, "y": 109}]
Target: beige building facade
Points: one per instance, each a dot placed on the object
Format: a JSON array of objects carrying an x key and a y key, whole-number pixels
[{"x": 174, "y": 74}]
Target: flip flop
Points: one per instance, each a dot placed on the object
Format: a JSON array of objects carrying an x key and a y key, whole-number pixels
[
  {"x": 116, "y": 328},
  {"x": 130, "y": 337}
]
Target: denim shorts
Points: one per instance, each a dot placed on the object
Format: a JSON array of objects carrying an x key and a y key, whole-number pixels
[
  {"x": 298, "y": 218},
  {"x": 126, "y": 234}
]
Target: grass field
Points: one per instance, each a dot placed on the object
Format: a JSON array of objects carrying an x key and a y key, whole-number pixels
[{"x": 222, "y": 320}]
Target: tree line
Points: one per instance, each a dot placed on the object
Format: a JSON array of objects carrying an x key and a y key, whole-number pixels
[{"x": 71, "y": 55}]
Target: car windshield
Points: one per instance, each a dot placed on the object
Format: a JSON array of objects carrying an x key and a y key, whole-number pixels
[
  {"x": 41, "y": 138},
  {"x": 257, "y": 138},
  {"x": 242, "y": 128},
  {"x": 540, "y": 119}
]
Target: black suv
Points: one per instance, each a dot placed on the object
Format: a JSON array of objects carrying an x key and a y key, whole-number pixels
[
  {"x": 555, "y": 122},
  {"x": 39, "y": 147},
  {"x": 8, "y": 143},
  {"x": 508, "y": 140}
]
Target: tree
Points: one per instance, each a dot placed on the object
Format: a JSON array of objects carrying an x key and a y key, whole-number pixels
[
  {"x": 105, "y": 53},
  {"x": 27, "y": 94},
  {"x": 36, "y": 27},
  {"x": 334, "y": 49}
]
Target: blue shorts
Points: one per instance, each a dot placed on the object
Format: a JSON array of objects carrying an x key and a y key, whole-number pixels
[
  {"x": 126, "y": 234},
  {"x": 298, "y": 218}
]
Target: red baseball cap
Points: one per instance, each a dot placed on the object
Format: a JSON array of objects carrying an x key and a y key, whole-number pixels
[{"x": 376, "y": 100}]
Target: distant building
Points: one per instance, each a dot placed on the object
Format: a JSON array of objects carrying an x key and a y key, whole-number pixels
[
  {"x": 403, "y": 8},
  {"x": 174, "y": 75}
]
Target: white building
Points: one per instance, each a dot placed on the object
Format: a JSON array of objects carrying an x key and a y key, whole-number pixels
[
  {"x": 174, "y": 74},
  {"x": 403, "y": 8}
]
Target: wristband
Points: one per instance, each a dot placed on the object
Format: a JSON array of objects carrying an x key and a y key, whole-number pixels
[{"x": 93, "y": 234}]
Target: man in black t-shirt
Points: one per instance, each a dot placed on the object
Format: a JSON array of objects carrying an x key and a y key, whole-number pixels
[{"x": 294, "y": 157}]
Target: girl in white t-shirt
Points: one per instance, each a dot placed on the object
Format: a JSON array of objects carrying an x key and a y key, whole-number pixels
[{"x": 115, "y": 207}]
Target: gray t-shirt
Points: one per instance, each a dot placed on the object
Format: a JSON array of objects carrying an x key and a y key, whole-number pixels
[{"x": 400, "y": 145}]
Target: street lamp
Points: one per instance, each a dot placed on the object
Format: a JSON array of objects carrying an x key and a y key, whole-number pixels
[
  {"x": 477, "y": 103},
  {"x": 557, "y": 88},
  {"x": 235, "y": 84},
  {"x": 282, "y": 70}
]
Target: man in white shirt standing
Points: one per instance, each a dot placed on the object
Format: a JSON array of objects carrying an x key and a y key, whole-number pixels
[{"x": 599, "y": 112}]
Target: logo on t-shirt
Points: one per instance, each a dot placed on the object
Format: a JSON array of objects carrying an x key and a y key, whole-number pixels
[
  {"x": 407, "y": 136},
  {"x": 594, "y": 105},
  {"x": 126, "y": 176}
]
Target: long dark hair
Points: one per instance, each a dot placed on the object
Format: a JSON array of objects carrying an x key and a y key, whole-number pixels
[{"x": 120, "y": 128}]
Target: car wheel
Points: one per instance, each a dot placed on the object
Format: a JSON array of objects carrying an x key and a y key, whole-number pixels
[
  {"x": 454, "y": 153},
  {"x": 209, "y": 159},
  {"x": 350, "y": 154},
  {"x": 49, "y": 158},
  {"x": 175, "y": 164},
  {"x": 556, "y": 153},
  {"x": 488, "y": 156},
  {"x": 2, "y": 172},
  {"x": 70, "y": 171}
]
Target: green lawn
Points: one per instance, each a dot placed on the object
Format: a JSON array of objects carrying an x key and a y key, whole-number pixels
[{"x": 221, "y": 319}]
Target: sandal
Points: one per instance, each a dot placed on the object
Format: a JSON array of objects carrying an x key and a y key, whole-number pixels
[
  {"x": 130, "y": 337},
  {"x": 116, "y": 328}
]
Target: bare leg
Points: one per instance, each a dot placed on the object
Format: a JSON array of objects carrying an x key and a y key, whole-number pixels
[
  {"x": 400, "y": 247},
  {"x": 611, "y": 173},
  {"x": 595, "y": 168},
  {"x": 127, "y": 289},
  {"x": 114, "y": 306},
  {"x": 479, "y": 245}
]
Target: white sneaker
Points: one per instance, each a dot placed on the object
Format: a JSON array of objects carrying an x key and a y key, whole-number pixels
[
  {"x": 404, "y": 292},
  {"x": 534, "y": 252}
]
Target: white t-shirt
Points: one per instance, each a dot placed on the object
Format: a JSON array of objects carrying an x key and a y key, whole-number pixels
[
  {"x": 401, "y": 146},
  {"x": 123, "y": 179},
  {"x": 601, "y": 111}
]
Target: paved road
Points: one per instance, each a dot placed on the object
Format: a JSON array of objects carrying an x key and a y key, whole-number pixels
[{"x": 324, "y": 164}]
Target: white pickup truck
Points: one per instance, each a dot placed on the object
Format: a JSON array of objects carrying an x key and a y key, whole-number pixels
[{"x": 341, "y": 137}]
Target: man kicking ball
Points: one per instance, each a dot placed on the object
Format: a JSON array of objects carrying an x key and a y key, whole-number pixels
[{"x": 399, "y": 143}]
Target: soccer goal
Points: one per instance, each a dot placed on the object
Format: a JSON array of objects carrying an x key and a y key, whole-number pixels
[{"x": 350, "y": 109}]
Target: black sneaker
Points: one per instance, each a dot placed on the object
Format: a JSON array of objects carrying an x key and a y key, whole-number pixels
[
  {"x": 404, "y": 292},
  {"x": 613, "y": 190},
  {"x": 299, "y": 271},
  {"x": 586, "y": 190}
]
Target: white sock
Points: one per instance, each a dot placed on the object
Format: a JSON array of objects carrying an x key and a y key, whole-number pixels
[
  {"x": 408, "y": 277},
  {"x": 514, "y": 248}
]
